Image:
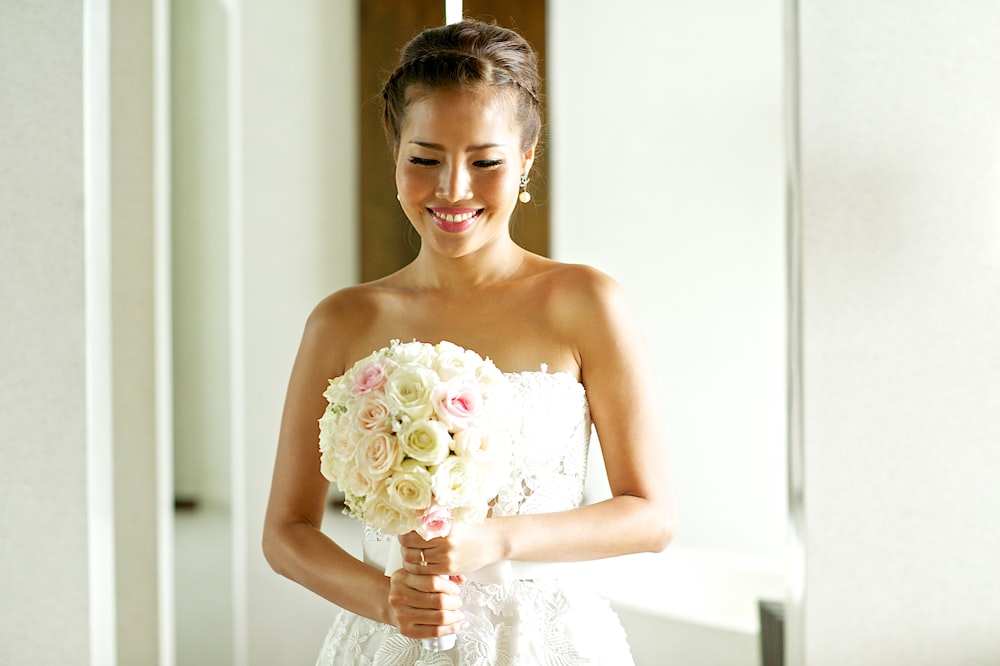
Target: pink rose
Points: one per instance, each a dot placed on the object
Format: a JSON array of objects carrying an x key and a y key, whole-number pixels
[
  {"x": 436, "y": 522},
  {"x": 369, "y": 377},
  {"x": 458, "y": 403}
]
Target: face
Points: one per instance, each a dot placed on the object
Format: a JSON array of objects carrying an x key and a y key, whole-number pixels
[{"x": 458, "y": 169}]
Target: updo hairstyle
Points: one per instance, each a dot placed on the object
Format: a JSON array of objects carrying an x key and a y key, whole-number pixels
[{"x": 468, "y": 54}]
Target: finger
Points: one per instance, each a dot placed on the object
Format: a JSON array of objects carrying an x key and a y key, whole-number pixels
[
  {"x": 412, "y": 564},
  {"x": 419, "y": 590},
  {"x": 444, "y": 629},
  {"x": 415, "y": 557},
  {"x": 425, "y": 626},
  {"x": 412, "y": 540}
]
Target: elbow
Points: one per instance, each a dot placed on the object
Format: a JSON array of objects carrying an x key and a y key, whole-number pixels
[
  {"x": 662, "y": 528},
  {"x": 271, "y": 546},
  {"x": 664, "y": 535}
]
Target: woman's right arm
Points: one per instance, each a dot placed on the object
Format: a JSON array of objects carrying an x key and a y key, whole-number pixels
[{"x": 293, "y": 542}]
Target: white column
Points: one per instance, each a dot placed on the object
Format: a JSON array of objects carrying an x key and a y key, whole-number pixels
[
  {"x": 44, "y": 524},
  {"x": 141, "y": 502},
  {"x": 81, "y": 572},
  {"x": 900, "y": 241}
]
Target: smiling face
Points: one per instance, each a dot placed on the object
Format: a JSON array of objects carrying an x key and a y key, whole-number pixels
[{"x": 458, "y": 169}]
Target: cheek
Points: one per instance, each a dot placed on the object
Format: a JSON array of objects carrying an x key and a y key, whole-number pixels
[
  {"x": 408, "y": 180},
  {"x": 501, "y": 185}
]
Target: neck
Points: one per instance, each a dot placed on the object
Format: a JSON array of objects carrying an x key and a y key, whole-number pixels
[{"x": 487, "y": 266}]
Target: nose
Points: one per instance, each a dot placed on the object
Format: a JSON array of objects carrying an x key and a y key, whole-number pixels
[{"x": 455, "y": 184}]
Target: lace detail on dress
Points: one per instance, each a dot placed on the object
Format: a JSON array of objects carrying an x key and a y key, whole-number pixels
[
  {"x": 522, "y": 623},
  {"x": 551, "y": 452}
]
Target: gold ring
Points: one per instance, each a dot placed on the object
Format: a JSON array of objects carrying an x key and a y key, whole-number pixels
[{"x": 423, "y": 560}]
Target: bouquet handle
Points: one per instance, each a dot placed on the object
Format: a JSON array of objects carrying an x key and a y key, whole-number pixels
[{"x": 393, "y": 564}]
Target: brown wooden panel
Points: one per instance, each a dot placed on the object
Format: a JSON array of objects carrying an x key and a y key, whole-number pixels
[
  {"x": 387, "y": 240},
  {"x": 531, "y": 221}
]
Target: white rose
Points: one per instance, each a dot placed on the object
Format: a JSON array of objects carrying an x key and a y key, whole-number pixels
[
  {"x": 338, "y": 391},
  {"x": 328, "y": 465},
  {"x": 328, "y": 426},
  {"x": 408, "y": 392},
  {"x": 344, "y": 443},
  {"x": 386, "y": 515},
  {"x": 425, "y": 441},
  {"x": 489, "y": 375},
  {"x": 378, "y": 453},
  {"x": 488, "y": 447},
  {"x": 412, "y": 353},
  {"x": 453, "y": 361},
  {"x": 457, "y": 482},
  {"x": 410, "y": 487},
  {"x": 359, "y": 481},
  {"x": 471, "y": 515}
]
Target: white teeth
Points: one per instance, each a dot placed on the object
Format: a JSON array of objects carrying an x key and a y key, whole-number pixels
[{"x": 461, "y": 217}]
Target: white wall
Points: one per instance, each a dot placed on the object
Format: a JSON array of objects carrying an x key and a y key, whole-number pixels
[
  {"x": 81, "y": 500},
  {"x": 44, "y": 522},
  {"x": 297, "y": 242},
  {"x": 666, "y": 154},
  {"x": 900, "y": 175}
]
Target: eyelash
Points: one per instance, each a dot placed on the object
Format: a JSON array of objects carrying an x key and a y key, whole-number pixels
[{"x": 482, "y": 164}]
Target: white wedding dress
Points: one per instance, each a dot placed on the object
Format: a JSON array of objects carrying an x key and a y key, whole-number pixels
[{"x": 538, "y": 616}]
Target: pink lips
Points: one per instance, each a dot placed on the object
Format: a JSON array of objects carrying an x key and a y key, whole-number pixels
[{"x": 454, "y": 220}]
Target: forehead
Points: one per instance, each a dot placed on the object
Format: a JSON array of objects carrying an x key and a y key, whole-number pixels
[{"x": 481, "y": 113}]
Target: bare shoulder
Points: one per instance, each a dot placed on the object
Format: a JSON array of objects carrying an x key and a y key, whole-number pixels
[
  {"x": 580, "y": 293},
  {"x": 339, "y": 321},
  {"x": 344, "y": 305}
]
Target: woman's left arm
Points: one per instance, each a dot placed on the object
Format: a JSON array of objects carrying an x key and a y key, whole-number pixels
[{"x": 621, "y": 389}]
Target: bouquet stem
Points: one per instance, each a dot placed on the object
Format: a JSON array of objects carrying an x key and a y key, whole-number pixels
[{"x": 439, "y": 644}]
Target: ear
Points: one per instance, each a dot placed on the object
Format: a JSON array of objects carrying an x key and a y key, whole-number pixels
[{"x": 529, "y": 158}]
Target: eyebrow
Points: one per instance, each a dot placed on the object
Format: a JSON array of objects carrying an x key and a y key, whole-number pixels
[{"x": 438, "y": 146}]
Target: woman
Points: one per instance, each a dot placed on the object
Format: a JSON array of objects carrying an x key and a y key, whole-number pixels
[{"x": 462, "y": 117}]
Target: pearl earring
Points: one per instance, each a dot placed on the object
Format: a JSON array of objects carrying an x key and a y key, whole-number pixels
[{"x": 524, "y": 196}]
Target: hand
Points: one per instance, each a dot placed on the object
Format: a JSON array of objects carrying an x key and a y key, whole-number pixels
[
  {"x": 466, "y": 548},
  {"x": 425, "y": 606}
]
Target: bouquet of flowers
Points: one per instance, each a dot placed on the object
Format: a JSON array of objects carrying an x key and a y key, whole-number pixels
[{"x": 417, "y": 437}]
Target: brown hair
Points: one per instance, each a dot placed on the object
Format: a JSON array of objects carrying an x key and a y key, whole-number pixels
[{"x": 466, "y": 54}]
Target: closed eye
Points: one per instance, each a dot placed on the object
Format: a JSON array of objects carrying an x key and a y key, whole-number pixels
[
  {"x": 423, "y": 161},
  {"x": 487, "y": 164}
]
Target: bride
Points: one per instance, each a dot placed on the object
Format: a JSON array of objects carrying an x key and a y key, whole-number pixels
[{"x": 462, "y": 118}]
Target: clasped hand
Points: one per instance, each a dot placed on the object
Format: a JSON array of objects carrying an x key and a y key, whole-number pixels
[{"x": 424, "y": 595}]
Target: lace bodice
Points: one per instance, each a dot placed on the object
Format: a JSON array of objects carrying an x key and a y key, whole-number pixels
[{"x": 551, "y": 449}]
